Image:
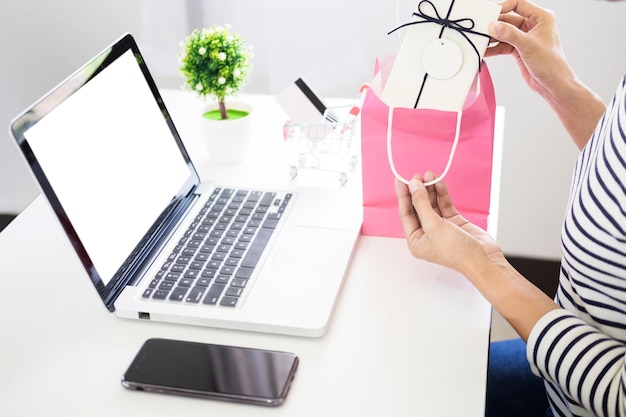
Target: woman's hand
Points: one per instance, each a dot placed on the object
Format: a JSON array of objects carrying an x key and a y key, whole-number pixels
[
  {"x": 436, "y": 232},
  {"x": 529, "y": 34}
]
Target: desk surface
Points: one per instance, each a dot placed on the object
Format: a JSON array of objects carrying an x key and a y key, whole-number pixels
[{"x": 407, "y": 337}]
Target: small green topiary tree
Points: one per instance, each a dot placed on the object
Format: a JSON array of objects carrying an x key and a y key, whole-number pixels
[{"x": 216, "y": 62}]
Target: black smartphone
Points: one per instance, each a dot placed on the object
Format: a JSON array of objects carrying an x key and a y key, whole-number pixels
[{"x": 253, "y": 376}]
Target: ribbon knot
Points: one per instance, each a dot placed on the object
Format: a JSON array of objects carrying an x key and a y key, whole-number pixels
[{"x": 463, "y": 26}]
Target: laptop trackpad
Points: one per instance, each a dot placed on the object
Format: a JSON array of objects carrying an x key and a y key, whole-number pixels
[{"x": 316, "y": 249}]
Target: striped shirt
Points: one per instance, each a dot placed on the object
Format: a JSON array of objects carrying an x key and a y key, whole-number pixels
[{"x": 580, "y": 350}]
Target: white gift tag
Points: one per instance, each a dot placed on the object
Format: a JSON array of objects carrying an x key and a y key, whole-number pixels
[
  {"x": 442, "y": 59},
  {"x": 436, "y": 81}
]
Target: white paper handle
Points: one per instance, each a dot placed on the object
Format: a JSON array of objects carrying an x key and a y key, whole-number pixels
[{"x": 459, "y": 116}]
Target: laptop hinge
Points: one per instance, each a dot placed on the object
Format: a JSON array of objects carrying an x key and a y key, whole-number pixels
[{"x": 150, "y": 246}]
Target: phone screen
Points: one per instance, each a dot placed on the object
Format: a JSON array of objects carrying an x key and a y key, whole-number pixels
[{"x": 212, "y": 371}]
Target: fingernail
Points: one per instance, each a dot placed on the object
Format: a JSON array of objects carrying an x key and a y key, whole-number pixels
[{"x": 414, "y": 185}]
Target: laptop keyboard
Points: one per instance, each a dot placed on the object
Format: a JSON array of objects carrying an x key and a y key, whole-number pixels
[{"x": 213, "y": 262}]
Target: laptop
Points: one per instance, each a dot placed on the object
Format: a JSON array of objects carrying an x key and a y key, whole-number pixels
[{"x": 158, "y": 243}]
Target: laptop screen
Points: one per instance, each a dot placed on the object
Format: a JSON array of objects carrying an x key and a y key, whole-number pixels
[{"x": 109, "y": 155}]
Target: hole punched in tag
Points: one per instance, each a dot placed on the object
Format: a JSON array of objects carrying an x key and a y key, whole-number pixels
[{"x": 442, "y": 59}]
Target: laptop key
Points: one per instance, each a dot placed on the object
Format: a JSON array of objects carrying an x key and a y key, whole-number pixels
[
  {"x": 188, "y": 251},
  {"x": 233, "y": 292},
  {"x": 229, "y": 301},
  {"x": 267, "y": 199},
  {"x": 208, "y": 273},
  {"x": 185, "y": 282},
  {"x": 166, "y": 285},
  {"x": 195, "y": 295},
  {"x": 222, "y": 278},
  {"x": 214, "y": 264},
  {"x": 192, "y": 274},
  {"x": 207, "y": 248},
  {"x": 203, "y": 282},
  {"x": 244, "y": 272},
  {"x": 196, "y": 265},
  {"x": 178, "y": 294},
  {"x": 230, "y": 261},
  {"x": 172, "y": 276},
  {"x": 220, "y": 251},
  {"x": 227, "y": 192},
  {"x": 254, "y": 196},
  {"x": 256, "y": 248},
  {"x": 214, "y": 294},
  {"x": 160, "y": 294},
  {"x": 201, "y": 257},
  {"x": 241, "y": 246},
  {"x": 246, "y": 237},
  {"x": 239, "y": 283},
  {"x": 227, "y": 270},
  {"x": 232, "y": 233},
  {"x": 270, "y": 223}
]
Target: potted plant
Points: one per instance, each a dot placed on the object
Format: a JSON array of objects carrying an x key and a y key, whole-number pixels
[{"x": 216, "y": 64}]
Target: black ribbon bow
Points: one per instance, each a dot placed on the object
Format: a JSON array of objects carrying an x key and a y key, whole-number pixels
[{"x": 463, "y": 26}]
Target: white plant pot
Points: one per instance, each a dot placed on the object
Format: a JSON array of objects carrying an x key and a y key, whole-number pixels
[{"x": 227, "y": 140}]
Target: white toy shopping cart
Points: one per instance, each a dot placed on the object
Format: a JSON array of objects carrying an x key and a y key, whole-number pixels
[{"x": 326, "y": 146}]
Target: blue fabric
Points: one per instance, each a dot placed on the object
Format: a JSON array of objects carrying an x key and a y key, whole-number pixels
[{"x": 512, "y": 389}]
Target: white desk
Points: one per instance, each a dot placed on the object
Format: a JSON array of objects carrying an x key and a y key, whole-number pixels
[{"x": 407, "y": 339}]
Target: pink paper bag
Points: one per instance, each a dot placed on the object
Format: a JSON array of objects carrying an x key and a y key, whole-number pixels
[{"x": 421, "y": 141}]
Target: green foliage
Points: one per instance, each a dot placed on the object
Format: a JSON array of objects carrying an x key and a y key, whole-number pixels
[{"x": 215, "y": 62}]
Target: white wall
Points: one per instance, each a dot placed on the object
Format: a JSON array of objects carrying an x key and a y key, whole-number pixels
[
  {"x": 42, "y": 42},
  {"x": 333, "y": 44}
]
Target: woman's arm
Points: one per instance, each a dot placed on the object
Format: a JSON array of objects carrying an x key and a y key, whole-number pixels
[{"x": 436, "y": 232}]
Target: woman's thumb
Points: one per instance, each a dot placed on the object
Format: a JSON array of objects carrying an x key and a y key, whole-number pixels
[{"x": 504, "y": 32}]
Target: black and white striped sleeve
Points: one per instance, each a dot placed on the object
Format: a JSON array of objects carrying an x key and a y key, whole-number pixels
[{"x": 587, "y": 365}]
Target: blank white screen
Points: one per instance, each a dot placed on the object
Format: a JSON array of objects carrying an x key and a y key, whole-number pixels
[{"x": 110, "y": 157}]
